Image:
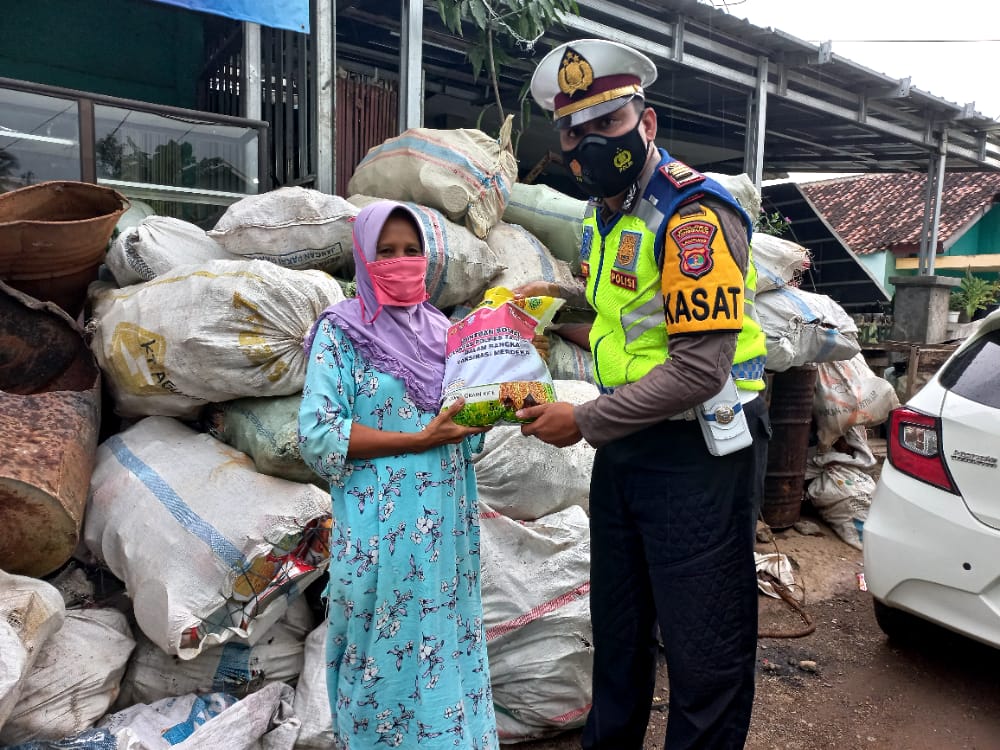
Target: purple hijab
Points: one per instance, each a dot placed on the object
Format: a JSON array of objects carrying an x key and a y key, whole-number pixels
[{"x": 407, "y": 342}]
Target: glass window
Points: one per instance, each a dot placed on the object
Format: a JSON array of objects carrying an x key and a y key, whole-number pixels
[
  {"x": 184, "y": 168},
  {"x": 39, "y": 139},
  {"x": 973, "y": 373}
]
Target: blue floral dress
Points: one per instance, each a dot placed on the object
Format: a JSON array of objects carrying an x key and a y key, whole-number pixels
[{"x": 406, "y": 650}]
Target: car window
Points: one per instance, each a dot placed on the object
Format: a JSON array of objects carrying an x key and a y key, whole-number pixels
[{"x": 974, "y": 373}]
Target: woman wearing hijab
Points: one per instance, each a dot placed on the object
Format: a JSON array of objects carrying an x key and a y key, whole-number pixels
[{"x": 406, "y": 651}]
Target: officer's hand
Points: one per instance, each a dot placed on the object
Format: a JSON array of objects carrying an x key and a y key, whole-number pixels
[
  {"x": 535, "y": 289},
  {"x": 552, "y": 423}
]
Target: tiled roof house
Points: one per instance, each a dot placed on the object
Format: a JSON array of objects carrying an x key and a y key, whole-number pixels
[{"x": 879, "y": 217}]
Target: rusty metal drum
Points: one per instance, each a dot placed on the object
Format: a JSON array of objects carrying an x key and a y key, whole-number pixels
[
  {"x": 53, "y": 238},
  {"x": 50, "y": 405},
  {"x": 790, "y": 401}
]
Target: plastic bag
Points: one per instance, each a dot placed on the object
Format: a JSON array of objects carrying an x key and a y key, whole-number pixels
[{"x": 491, "y": 362}]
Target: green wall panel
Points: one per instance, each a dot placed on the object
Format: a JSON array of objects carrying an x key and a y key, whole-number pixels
[{"x": 127, "y": 48}]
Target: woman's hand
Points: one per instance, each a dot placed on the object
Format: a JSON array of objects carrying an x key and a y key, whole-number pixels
[
  {"x": 367, "y": 442},
  {"x": 536, "y": 289},
  {"x": 443, "y": 430}
]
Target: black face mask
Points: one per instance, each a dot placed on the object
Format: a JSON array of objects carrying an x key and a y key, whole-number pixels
[{"x": 605, "y": 167}]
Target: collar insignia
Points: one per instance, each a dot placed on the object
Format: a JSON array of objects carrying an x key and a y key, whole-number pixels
[
  {"x": 575, "y": 73},
  {"x": 680, "y": 174}
]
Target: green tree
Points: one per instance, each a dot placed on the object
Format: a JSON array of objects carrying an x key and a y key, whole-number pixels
[{"x": 502, "y": 25}]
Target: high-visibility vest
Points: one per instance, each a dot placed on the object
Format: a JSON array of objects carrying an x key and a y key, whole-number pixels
[{"x": 622, "y": 263}]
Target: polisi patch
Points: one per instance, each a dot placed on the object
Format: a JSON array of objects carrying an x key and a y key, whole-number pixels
[
  {"x": 624, "y": 280},
  {"x": 680, "y": 174},
  {"x": 694, "y": 247}
]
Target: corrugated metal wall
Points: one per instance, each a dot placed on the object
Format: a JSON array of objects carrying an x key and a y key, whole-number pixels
[
  {"x": 287, "y": 103},
  {"x": 367, "y": 114},
  {"x": 367, "y": 107}
]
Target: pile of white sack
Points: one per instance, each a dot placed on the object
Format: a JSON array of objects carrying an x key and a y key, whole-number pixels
[
  {"x": 805, "y": 328},
  {"x": 181, "y": 620}
]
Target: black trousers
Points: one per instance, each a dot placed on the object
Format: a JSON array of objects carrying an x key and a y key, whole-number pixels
[{"x": 672, "y": 543}]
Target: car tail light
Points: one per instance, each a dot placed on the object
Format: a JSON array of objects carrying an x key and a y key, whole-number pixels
[{"x": 914, "y": 448}]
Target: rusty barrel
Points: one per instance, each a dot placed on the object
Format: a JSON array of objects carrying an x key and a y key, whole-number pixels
[
  {"x": 53, "y": 238},
  {"x": 790, "y": 409},
  {"x": 50, "y": 405}
]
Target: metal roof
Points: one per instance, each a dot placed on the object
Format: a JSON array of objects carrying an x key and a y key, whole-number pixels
[{"x": 824, "y": 112}]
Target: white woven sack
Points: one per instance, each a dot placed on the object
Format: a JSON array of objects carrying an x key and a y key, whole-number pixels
[
  {"x": 741, "y": 187},
  {"x": 294, "y": 227},
  {"x": 135, "y": 214},
  {"x": 206, "y": 333},
  {"x": 536, "y": 608},
  {"x": 157, "y": 245},
  {"x": 849, "y": 394},
  {"x": 555, "y": 218},
  {"x": 263, "y": 720},
  {"x": 30, "y": 612},
  {"x": 459, "y": 264},
  {"x": 237, "y": 668},
  {"x": 200, "y": 538},
  {"x": 312, "y": 701},
  {"x": 524, "y": 478},
  {"x": 465, "y": 173},
  {"x": 75, "y": 677},
  {"x": 525, "y": 259},
  {"x": 803, "y": 327},
  {"x": 778, "y": 262},
  {"x": 567, "y": 361}
]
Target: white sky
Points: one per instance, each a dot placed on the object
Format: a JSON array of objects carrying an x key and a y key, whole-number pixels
[{"x": 959, "y": 72}]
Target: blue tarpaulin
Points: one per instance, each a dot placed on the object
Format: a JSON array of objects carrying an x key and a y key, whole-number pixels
[{"x": 281, "y": 14}]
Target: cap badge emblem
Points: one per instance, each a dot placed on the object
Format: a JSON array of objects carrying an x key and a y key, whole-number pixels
[{"x": 575, "y": 73}]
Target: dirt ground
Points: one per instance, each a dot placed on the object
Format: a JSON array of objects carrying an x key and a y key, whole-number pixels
[{"x": 845, "y": 686}]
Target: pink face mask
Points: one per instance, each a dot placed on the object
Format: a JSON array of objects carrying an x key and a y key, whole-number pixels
[{"x": 399, "y": 282}]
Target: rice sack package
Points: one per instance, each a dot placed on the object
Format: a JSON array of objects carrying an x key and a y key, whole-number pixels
[{"x": 491, "y": 362}]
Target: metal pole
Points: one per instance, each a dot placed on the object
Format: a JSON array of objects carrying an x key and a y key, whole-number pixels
[
  {"x": 250, "y": 89},
  {"x": 938, "y": 190},
  {"x": 325, "y": 35},
  {"x": 753, "y": 159},
  {"x": 925, "y": 228},
  {"x": 411, "y": 94},
  {"x": 252, "y": 102}
]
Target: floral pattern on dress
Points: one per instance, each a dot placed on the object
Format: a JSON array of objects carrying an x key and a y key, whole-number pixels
[{"x": 406, "y": 650}]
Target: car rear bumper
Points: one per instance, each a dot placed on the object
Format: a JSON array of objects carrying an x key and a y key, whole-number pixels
[{"x": 926, "y": 554}]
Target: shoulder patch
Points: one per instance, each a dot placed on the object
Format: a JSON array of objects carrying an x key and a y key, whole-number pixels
[
  {"x": 681, "y": 175},
  {"x": 694, "y": 247}
]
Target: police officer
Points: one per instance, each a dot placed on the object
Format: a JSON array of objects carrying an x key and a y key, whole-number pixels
[{"x": 666, "y": 260}]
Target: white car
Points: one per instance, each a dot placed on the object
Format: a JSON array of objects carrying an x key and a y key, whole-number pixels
[{"x": 932, "y": 538}]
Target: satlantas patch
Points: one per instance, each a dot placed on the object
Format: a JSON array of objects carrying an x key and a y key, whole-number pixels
[{"x": 694, "y": 240}]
